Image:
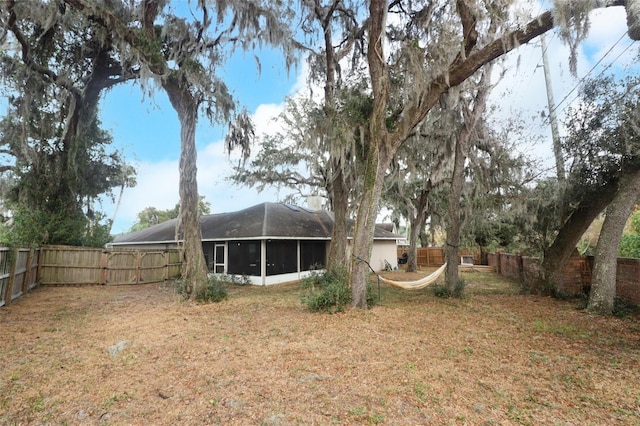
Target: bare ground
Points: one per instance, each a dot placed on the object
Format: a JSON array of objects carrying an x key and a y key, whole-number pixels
[{"x": 495, "y": 357}]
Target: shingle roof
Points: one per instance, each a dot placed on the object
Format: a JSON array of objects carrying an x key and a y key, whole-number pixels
[{"x": 266, "y": 220}]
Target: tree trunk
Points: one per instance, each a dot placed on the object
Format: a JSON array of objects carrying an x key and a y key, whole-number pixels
[
  {"x": 337, "y": 258},
  {"x": 194, "y": 270},
  {"x": 417, "y": 224},
  {"x": 377, "y": 157},
  {"x": 453, "y": 213},
  {"x": 375, "y": 169},
  {"x": 473, "y": 115},
  {"x": 574, "y": 227},
  {"x": 633, "y": 19},
  {"x": 603, "y": 282},
  {"x": 412, "y": 257}
]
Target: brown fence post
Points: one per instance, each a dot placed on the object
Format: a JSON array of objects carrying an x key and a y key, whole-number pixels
[
  {"x": 9, "y": 288},
  {"x": 27, "y": 273},
  {"x": 520, "y": 267},
  {"x": 138, "y": 267},
  {"x": 8, "y": 297},
  {"x": 104, "y": 266},
  {"x": 165, "y": 272},
  {"x": 41, "y": 255}
]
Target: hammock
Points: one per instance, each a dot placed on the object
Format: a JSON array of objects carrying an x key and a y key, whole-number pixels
[{"x": 418, "y": 284}]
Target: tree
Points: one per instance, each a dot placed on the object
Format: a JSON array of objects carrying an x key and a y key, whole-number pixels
[
  {"x": 617, "y": 141},
  {"x": 472, "y": 109},
  {"x": 54, "y": 78},
  {"x": 336, "y": 19},
  {"x": 604, "y": 161},
  {"x": 183, "y": 56},
  {"x": 450, "y": 47},
  {"x": 412, "y": 178},
  {"x": 152, "y": 216},
  {"x": 290, "y": 158},
  {"x": 603, "y": 281}
]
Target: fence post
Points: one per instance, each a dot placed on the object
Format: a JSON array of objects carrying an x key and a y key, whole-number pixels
[
  {"x": 139, "y": 256},
  {"x": 41, "y": 255},
  {"x": 520, "y": 264},
  {"x": 8, "y": 297},
  {"x": 9, "y": 288},
  {"x": 104, "y": 265},
  {"x": 165, "y": 271},
  {"x": 27, "y": 272}
]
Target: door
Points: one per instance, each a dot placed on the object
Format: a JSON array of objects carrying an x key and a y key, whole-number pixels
[{"x": 218, "y": 261}]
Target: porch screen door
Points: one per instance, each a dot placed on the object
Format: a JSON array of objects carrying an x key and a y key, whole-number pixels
[{"x": 218, "y": 259}]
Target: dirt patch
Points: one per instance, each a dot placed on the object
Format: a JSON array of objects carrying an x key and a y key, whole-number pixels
[{"x": 139, "y": 355}]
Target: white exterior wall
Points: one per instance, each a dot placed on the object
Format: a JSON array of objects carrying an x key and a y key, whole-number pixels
[
  {"x": 384, "y": 250},
  {"x": 282, "y": 278}
]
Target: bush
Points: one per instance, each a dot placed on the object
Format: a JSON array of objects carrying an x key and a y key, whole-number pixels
[
  {"x": 623, "y": 308},
  {"x": 443, "y": 292},
  {"x": 213, "y": 290},
  {"x": 330, "y": 291}
]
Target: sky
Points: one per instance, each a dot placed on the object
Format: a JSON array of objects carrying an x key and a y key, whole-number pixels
[{"x": 148, "y": 132}]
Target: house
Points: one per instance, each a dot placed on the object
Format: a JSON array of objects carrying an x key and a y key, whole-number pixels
[{"x": 269, "y": 243}]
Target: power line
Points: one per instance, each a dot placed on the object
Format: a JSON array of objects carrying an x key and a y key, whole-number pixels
[{"x": 579, "y": 83}]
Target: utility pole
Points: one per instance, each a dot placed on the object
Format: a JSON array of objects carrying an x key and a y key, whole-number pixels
[{"x": 555, "y": 135}]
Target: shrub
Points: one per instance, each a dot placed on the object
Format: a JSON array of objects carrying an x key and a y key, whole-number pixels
[
  {"x": 443, "y": 292},
  {"x": 182, "y": 287},
  {"x": 327, "y": 291},
  {"x": 330, "y": 291},
  {"x": 624, "y": 308},
  {"x": 213, "y": 290}
]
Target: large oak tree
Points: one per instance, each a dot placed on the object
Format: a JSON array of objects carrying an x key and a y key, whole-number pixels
[{"x": 183, "y": 56}]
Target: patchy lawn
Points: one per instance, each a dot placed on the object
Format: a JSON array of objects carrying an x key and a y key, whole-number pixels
[{"x": 139, "y": 355}]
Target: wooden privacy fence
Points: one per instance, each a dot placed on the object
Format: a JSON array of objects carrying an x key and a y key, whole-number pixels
[
  {"x": 63, "y": 265},
  {"x": 18, "y": 272},
  {"x": 434, "y": 256}
]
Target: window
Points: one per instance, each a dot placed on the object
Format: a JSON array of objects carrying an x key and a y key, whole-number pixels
[
  {"x": 282, "y": 257},
  {"x": 313, "y": 254},
  {"x": 244, "y": 258}
]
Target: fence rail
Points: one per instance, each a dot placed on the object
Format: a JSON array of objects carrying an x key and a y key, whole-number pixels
[{"x": 22, "y": 269}]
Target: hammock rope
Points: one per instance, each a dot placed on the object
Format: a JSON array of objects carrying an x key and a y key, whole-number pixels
[{"x": 418, "y": 284}]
